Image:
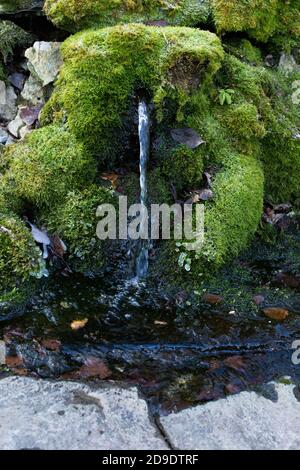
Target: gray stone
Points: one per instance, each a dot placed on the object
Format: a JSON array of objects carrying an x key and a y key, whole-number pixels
[
  {"x": 2, "y": 353},
  {"x": 247, "y": 421},
  {"x": 188, "y": 137},
  {"x": 3, "y": 136},
  {"x": 33, "y": 91},
  {"x": 17, "y": 79},
  {"x": 288, "y": 64},
  {"x": 44, "y": 60},
  {"x": 37, "y": 414},
  {"x": 15, "y": 126},
  {"x": 8, "y": 107}
]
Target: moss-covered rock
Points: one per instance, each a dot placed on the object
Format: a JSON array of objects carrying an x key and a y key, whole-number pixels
[
  {"x": 20, "y": 258},
  {"x": 45, "y": 167},
  {"x": 12, "y": 36},
  {"x": 105, "y": 67},
  {"x": 74, "y": 15},
  {"x": 75, "y": 220},
  {"x": 261, "y": 19}
]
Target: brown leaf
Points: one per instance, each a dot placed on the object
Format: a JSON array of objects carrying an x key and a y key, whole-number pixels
[
  {"x": 59, "y": 248},
  {"x": 212, "y": 299},
  {"x": 288, "y": 280},
  {"x": 93, "y": 367},
  {"x": 112, "y": 177},
  {"x": 235, "y": 362},
  {"x": 51, "y": 344},
  {"x": 14, "y": 361},
  {"x": 78, "y": 324},
  {"x": 276, "y": 313}
]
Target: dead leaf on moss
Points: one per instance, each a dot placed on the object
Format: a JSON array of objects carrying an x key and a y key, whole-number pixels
[{"x": 78, "y": 324}]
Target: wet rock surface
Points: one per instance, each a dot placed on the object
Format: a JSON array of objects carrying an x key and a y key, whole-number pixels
[
  {"x": 248, "y": 421},
  {"x": 44, "y": 415}
]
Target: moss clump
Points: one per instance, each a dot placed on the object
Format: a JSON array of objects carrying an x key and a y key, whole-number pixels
[
  {"x": 75, "y": 222},
  {"x": 244, "y": 121},
  {"x": 103, "y": 68},
  {"x": 183, "y": 167},
  {"x": 20, "y": 258},
  {"x": 73, "y": 15},
  {"x": 232, "y": 218},
  {"x": 262, "y": 19},
  {"x": 42, "y": 169},
  {"x": 12, "y": 36}
]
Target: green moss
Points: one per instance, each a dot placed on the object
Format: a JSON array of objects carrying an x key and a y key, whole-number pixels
[
  {"x": 232, "y": 218},
  {"x": 73, "y": 14},
  {"x": 262, "y": 19},
  {"x": 103, "y": 69},
  {"x": 244, "y": 121},
  {"x": 75, "y": 222},
  {"x": 19, "y": 256},
  {"x": 12, "y": 36},
  {"x": 183, "y": 167},
  {"x": 42, "y": 169}
]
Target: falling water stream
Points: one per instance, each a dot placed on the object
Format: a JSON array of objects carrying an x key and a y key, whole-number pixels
[{"x": 142, "y": 261}]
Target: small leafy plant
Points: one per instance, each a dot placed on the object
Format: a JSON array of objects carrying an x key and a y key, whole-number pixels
[{"x": 225, "y": 96}]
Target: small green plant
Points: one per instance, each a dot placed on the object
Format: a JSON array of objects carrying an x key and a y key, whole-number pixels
[{"x": 225, "y": 96}]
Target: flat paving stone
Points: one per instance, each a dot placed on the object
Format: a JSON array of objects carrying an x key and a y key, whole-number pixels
[
  {"x": 247, "y": 421},
  {"x": 40, "y": 414}
]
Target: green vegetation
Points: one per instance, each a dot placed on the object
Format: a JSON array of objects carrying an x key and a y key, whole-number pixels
[
  {"x": 243, "y": 112},
  {"x": 74, "y": 15},
  {"x": 76, "y": 219},
  {"x": 20, "y": 258},
  {"x": 12, "y": 36}
]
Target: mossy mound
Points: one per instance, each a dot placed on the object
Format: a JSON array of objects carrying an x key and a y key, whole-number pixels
[
  {"x": 12, "y": 36},
  {"x": 73, "y": 15},
  {"x": 105, "y": 67},
  {"x": 20, "y": 258},
  {"x": 76, "y": 219},
  {"x": 44, "y": 167},
  {"x": 261, "y": 19}
]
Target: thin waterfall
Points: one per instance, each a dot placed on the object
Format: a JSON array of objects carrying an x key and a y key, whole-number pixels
[{"x": 142, "y": 261}]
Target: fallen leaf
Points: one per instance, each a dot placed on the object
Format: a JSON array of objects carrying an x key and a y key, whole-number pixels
[
  {"x": 51, "y": 344},
  {"x": 288, "y": 280},
  {"x": 112, "y": 177},
  {"x": 78, "y": 324},
  {"x": 93, "y": 367},
  {"x": 161, "y": 323},
  {"x": 212, "y": 299},
  {"x": 276, "y": 313},
  {"x": 188, "y": 137},
  {"x": 235, "y": 362},
  {"x": 58, "y": 246},
  {"x": 13, "y": 361}
]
